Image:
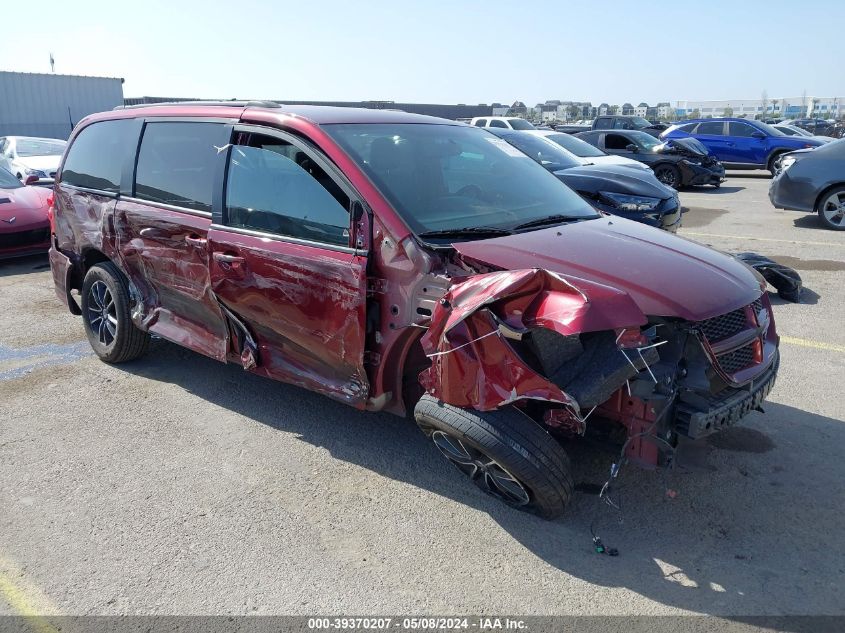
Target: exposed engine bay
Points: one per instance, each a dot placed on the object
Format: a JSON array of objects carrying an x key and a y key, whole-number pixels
[{"x": 531, "y": 339}]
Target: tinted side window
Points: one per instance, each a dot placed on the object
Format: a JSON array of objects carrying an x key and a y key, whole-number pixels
[
  {"x": 176, "y": 163},
  {"x": 481, "y": 123},
  {"x": 735, "y": 128},
  {"x": 602, "y": 123},
  {"x": 95, "y": 159},
  {"x": 687, "y": 128},
  {"x": 715, "y": 128},
  {"x": 617, "y": 141},
  {"x": 622, "y": 124},
  {"x": 497, "y": 123},
  {"x": 274, "y": 187}
]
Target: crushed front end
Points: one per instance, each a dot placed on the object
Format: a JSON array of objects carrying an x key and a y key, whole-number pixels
[{"x": 530, "y": 339}]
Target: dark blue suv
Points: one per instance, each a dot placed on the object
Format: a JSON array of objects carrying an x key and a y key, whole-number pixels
[{"x": 740, "y": 143}]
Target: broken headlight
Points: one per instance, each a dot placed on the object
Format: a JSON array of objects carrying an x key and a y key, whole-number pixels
[
  {"x": 625, "y": 202},
  {"x": 786, "y": 162}
]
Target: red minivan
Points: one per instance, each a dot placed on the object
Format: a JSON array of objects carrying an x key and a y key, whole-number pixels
[{"x": 405, "y": 263}]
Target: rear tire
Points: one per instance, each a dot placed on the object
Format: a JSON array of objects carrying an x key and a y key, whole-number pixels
[
  {"x": 505, "y": 453},
  {"x": 831, "y": 209},
  {"x": 105, "y": 312},
  {"x": 669, "y": 175}
]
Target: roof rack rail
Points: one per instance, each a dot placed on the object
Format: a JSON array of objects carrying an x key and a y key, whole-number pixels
[{"x": 231, "y": 104}]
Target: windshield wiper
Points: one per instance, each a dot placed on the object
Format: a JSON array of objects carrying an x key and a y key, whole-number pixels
[
  {"x": 552, "y": 219},
  {"x": 471, "y": 231}
]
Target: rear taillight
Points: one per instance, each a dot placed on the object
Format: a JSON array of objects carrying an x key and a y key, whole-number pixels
[{"x": 51, "y": 214}]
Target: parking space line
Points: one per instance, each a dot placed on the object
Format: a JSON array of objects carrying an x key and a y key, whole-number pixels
[
  {"x": 803, "y": 342},
  {"x": 760, "y": 239},
  {"x": 24, "y": 603}
]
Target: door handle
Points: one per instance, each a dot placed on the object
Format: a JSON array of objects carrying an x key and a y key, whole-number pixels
[
  {"x": 196, "y": 242},
  {"x": 228, "y": 261},
  {"x": 226, "y": 258}
]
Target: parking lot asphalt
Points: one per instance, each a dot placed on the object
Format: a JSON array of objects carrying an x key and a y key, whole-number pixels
[{"x": 178, "y": 485}]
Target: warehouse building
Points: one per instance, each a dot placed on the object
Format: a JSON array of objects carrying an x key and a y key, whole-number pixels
[{"x": 49, "y": 105}]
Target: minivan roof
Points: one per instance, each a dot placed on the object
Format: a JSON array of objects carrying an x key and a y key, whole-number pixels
[{"x": 316, "y": 113}]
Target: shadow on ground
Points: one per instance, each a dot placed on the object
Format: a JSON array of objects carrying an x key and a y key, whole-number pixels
[
  {"x": 812, "y": 221},
  {"x": 756, "y": 173},
  {"x": 24, "y": 265},
  {"x": 714, "y": 191},
  {"x": 737, "y": 538}
]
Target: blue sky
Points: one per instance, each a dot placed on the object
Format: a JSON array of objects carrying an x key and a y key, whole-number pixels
[{"x": 438, "y": 52}]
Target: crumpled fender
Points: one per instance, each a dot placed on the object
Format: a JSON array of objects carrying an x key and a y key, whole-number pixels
[{"x": 473, "y": 366}]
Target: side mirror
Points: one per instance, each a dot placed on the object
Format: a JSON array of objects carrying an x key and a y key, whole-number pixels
[
  {"x": 31, "y": 180},
  {"x": 631, "y": 148},
  {"x": 758, "y": 135}
]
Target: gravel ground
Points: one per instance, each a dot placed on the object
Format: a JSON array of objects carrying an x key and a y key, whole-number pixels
[{"x": 178, "y": 485}]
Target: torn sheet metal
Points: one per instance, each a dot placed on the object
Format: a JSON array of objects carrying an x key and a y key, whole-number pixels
[
  {"x": 785, "y": 280},
  {"x": 473, "y": 364}
]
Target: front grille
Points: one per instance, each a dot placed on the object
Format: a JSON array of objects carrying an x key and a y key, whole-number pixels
[
  {"x": 738, "y": 359},
  {"x": 24, "y": 238},
  {"x": 721, "y": 327}
]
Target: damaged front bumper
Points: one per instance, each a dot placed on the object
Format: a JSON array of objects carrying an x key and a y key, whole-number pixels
[
  {"x": 699, "y": 417},
  {"x": 702, "y": 174},
  {"x": 531, "y": 339}
]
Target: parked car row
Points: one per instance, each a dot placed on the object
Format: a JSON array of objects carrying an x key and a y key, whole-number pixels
[
  {"x": 31, "y": 160},
  {"x": 408, "y": 264},
  {"x": 678, "y": 163},
  {"x": 740, "y": 143}
]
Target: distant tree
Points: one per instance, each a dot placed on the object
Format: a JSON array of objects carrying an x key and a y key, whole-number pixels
[
  {"x": 764, "y": 99},
  {"x": 729, "y": 111},
  {"x": 614, "y": 109},
  {"x": 573, "y": 111},
  {"x": 695, "y": 114}
]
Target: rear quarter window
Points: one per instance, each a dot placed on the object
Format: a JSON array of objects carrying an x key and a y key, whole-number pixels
[{"x": 96, "y": 157}]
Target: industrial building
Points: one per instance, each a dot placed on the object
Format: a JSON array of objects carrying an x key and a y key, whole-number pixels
[
  {"x": 49, "y": 105},
  {"x": 783, "y": 107}
]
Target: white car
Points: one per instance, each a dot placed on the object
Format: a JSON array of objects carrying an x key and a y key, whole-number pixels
[
  {"x": 506, "y": 122},
  {"x": 792, "y": 130},
  {"x": 27, "y": 156},
  {"x": 585, "y": 153}
]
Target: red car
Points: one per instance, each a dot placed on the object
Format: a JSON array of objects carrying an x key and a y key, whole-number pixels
[
  {"x": 24, "y": 225},
  {"x": 405, "y": 263}
]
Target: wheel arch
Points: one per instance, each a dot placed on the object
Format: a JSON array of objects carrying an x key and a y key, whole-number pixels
[
  {"x": 825, "y": 192},
  {"x": 777, "y": 151}
]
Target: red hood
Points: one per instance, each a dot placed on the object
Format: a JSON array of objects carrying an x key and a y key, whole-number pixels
[
  {"x": 28, "y": 205},
  {"x": 664, "y": 274}
]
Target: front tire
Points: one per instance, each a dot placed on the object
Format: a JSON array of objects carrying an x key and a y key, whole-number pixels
[
  {"x": 773, "y": 164},
  {"x": 831, "y": 209},
  {"x": 105, "y": 312},
  {"x": 669, "y": 175},
  {"x": 503, "y": 452}
]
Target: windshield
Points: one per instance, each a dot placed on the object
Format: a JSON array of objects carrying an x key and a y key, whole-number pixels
[
  {"x": 645, "y": 140},
  {"x": 639, "y": 122},
  {"x": 547, "y": 153},
  {"x": 575, "y": 145},
  {"x": 520, "y": 124},
  {"x": 769, "y": 129},
  {"x": 40, "y": 147},
  {"x": 795, "y": 131},
  {"x": 8, "y": 181},
  {"x": 442, "y": 177}
]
